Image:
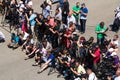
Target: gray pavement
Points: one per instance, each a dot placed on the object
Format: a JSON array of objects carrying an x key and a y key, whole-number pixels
[{"x": 12, "y": 63}]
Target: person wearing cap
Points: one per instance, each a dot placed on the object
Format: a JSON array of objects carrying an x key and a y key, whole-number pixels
[
  {"x": 115, "y": 60},
  {"x": 109, "y": 52},
  {"x": 21, "y": 5},
  {"x": 49, "y": 2},
  {"x": 29, "y": 3},
  {"x": 83, "y": 17}
]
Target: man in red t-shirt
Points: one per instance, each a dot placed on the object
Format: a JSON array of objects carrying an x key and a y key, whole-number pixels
[{"x": 95, "y": 53}]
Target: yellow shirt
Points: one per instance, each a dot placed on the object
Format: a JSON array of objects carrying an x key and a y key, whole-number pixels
[{"x": 81, "y": 70}]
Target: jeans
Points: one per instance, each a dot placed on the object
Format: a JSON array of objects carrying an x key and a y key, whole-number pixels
[
  {"x": 100, "y": 41},
  {"x": 95, "y": 67},
  {"x": 77, "y": 25},
  {"x": 83, "y": 25}
]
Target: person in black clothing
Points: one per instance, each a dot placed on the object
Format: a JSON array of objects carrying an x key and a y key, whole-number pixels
[
  {"x": 65, "y": 11},
  {"x": 54, "y": 34},
  {"x": 39, "y": 27}
]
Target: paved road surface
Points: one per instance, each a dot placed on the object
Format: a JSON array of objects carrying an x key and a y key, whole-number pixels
[{"x": 12, "y": 63}]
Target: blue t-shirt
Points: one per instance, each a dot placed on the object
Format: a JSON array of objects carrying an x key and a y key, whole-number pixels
[
  {"x": 16, "y": 39},
  {"x": 84, "y": 10},
  {"x": 32, "y": 20},
  {"x": 46, "y": 11},
  {"x": 51, "y": 57}
]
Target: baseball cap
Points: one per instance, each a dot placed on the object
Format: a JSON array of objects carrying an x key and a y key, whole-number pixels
[
  {"x": 114, "y": 54},
  {"x": 110, "y": 50}
]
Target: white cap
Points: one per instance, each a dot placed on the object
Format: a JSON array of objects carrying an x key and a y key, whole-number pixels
[
  {"x": 118, "y": 9},
  {"x": 22, "y": 6},
  {"x": 30, "y": 3},
  {"x": 21, "y": 2},
  {"x": 111, "y": 50},
  {"x": 74, "y": 33},
  {"x": 114, "y": 54}
]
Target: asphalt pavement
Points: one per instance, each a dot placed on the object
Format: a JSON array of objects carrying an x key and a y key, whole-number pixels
[{"x": 12, "y": 63}]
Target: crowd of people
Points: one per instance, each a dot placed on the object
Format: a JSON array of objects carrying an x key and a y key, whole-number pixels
[{"x": 53, "y": 41}]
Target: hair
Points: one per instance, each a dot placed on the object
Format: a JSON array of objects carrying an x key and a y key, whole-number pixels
[
  {"x": 71, "y": 23},
  {"x": 83, "y": 4},
  {"x": 91, "y": 39},
  {"x": 12, "y": 34},
  {"x": 58, "y": 9},
  {"x": 102, "y": 23},
  {"x": 77, "y": 2},
  {"x": 32, "y": 10},
  {"x": 82, "y": 38},
  {"x": 116, "y": 36}
]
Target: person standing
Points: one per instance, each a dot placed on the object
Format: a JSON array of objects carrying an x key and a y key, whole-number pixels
[
  {"x": 31, "y": 21},
  {"x": 39, "y": 27},
  {"x": 116, "y": 23},
  {"x": 58, "y": 17},
  {"x": 95, "y": 53},
  {"x": 46, "y": 10},
  {"x": 70, "y": 18},
  {"x": 83, "y": 17},
  {"x": 65, "y": 11},
  {"x": 76, "y": 11}
]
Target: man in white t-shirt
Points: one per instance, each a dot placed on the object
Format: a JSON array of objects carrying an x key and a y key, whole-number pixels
[
  {"x": 118, "y": 75},
  {"x": 115, "y": 43},
  {"x": 91, "y": 75},
  {"x": 70, "y": 18}
]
